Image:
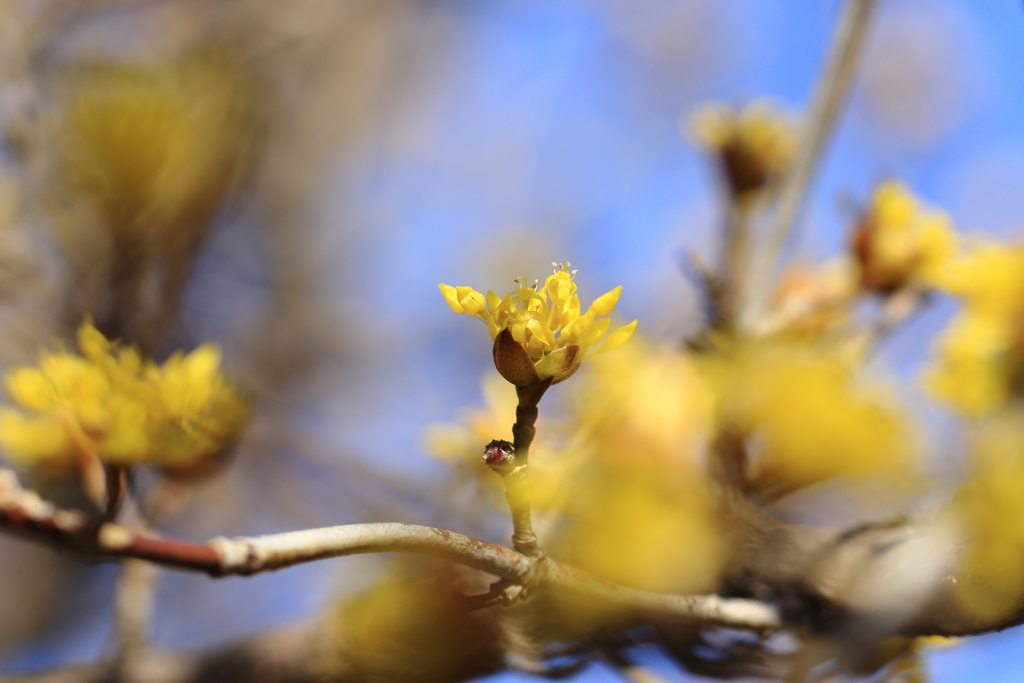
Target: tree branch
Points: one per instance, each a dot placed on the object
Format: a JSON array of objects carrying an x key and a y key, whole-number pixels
[
  {"x": 829, "y": 96},
  {"x": 24, "y": 513}
]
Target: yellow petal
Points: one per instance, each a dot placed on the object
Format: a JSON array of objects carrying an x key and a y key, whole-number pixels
[
  {"x": 605, "y": 303},
  {"x": 31, "y": 440},
  {"x": 597, "y": 331},
  {"x": 451, "y": 296},
  {"x": 128, "y": 440},
  {"x": 616, "y": 339},
  {"x": 536, "y": 347},
  {"x": 130, "y": 361},
  {"x": 540, "y": 333},
  {"x": 201, "y": 365},
  {"x": 560, "y": 365},
  {"x": 29, "y": 388},
  {"x": 472, "y": 301},
  {"x": 563, "y": 290},
  {"x": 92, "y": 343},
  {"x": 572, "y": 310},
  {"x": 580, "y": 327},
  {"x": 619, "y": 337}
]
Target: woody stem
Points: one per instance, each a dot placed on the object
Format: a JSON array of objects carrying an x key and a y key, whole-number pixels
[
  {"x": 735, "y": 257},
  {"x": 830, "y": 93},
  {"x": 518, "y": 491}
]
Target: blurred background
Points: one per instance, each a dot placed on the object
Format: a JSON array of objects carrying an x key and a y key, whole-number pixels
[{"x": 368, "y": 150}]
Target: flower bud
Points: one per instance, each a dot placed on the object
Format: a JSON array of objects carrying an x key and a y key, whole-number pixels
[{"x": 498, "y": 452}]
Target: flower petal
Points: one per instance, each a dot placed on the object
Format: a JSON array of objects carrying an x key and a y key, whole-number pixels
[
  {"x": 605, "y": 304},
  {"x": 597, "y": 331},
  {"x": 29, "y": 388},
  {"x": 560, "y": 365},
  {"x": 619, "y": 337},
  {"x": 472, "y": 301},
  {"x": 451, "y": 296}
]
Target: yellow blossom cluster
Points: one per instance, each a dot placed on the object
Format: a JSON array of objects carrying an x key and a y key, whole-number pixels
[
  {"x": 618, "y": 481},
  {"x": 540, "y": 334},
  {"x": 111, "y": 404},
  {"x": 898, "y": 241},
  {"x": 806, "y": 418},
  {"x": 754, "y": 145},
  {"x": 991, "y": 509},
  {"x": 638, "y": 507},
  {"x": 154, "y": 148},
  {"x": 979, "y": 366}
]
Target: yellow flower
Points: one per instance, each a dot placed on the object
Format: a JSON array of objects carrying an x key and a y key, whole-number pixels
[
  {"x": 643, "y": 529},
  {"x": 540, "y": 334},
  {"x": 112, "y": 405},
  {"x": 646, "y": 407},
  {"x": 636, "y": 435},
  {"x": 812, "y": 301},
  {"x": 988, "y": 278},
  {"x": 805, "y": 419},
  {"x": 980, "y": 357},
  {"x": 990, "y": 510},
  {"x": 153, "y": 149},
  {"x": 753, "y": 146},
  {"x": 898, "y": 241},
  {"x": 617, "y": 482}
]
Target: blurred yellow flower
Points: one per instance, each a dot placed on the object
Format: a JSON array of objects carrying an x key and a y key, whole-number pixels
[
  {"x": 644, "y": 529},
  {"x": 806, "y": 420},
  {"x": 644, "y": 405},
  {"x": 540, "y": 334},
  {"x": 988, "y": 278},
  {"x": 617, "y": 479},
  {"x": 990, "y": 508},
  {"x": 979, "y": 366},
  {"x": 638, "y": 508},
  {"x": 899, "y": 241},
  {"x": 154, "y": 148},
  {"x": 812, "y": 301},
  {"x": 111, "y": 404},
  {"x": 753, "y": 145},
  {"x": 411, "y": 628}
]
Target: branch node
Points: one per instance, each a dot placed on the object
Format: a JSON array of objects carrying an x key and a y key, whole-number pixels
[
  {"x": 114, "y": 537},
  {"x": 238, "y": 555}
]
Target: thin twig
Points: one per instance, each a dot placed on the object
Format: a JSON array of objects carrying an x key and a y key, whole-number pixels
[
  {"x": 897, "y": 310},
  {"x": 713, "y": 292},
  {"x": 133, "y": 595},
  {"x": 23, "y": 512},
  {"x": 116, "y": 489},
  {"x": 735, "y": 258},
  {"x": 829, "y": 96},
  {"x": 707, "y": 609},
  {"x": 133, "y": 610}
]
